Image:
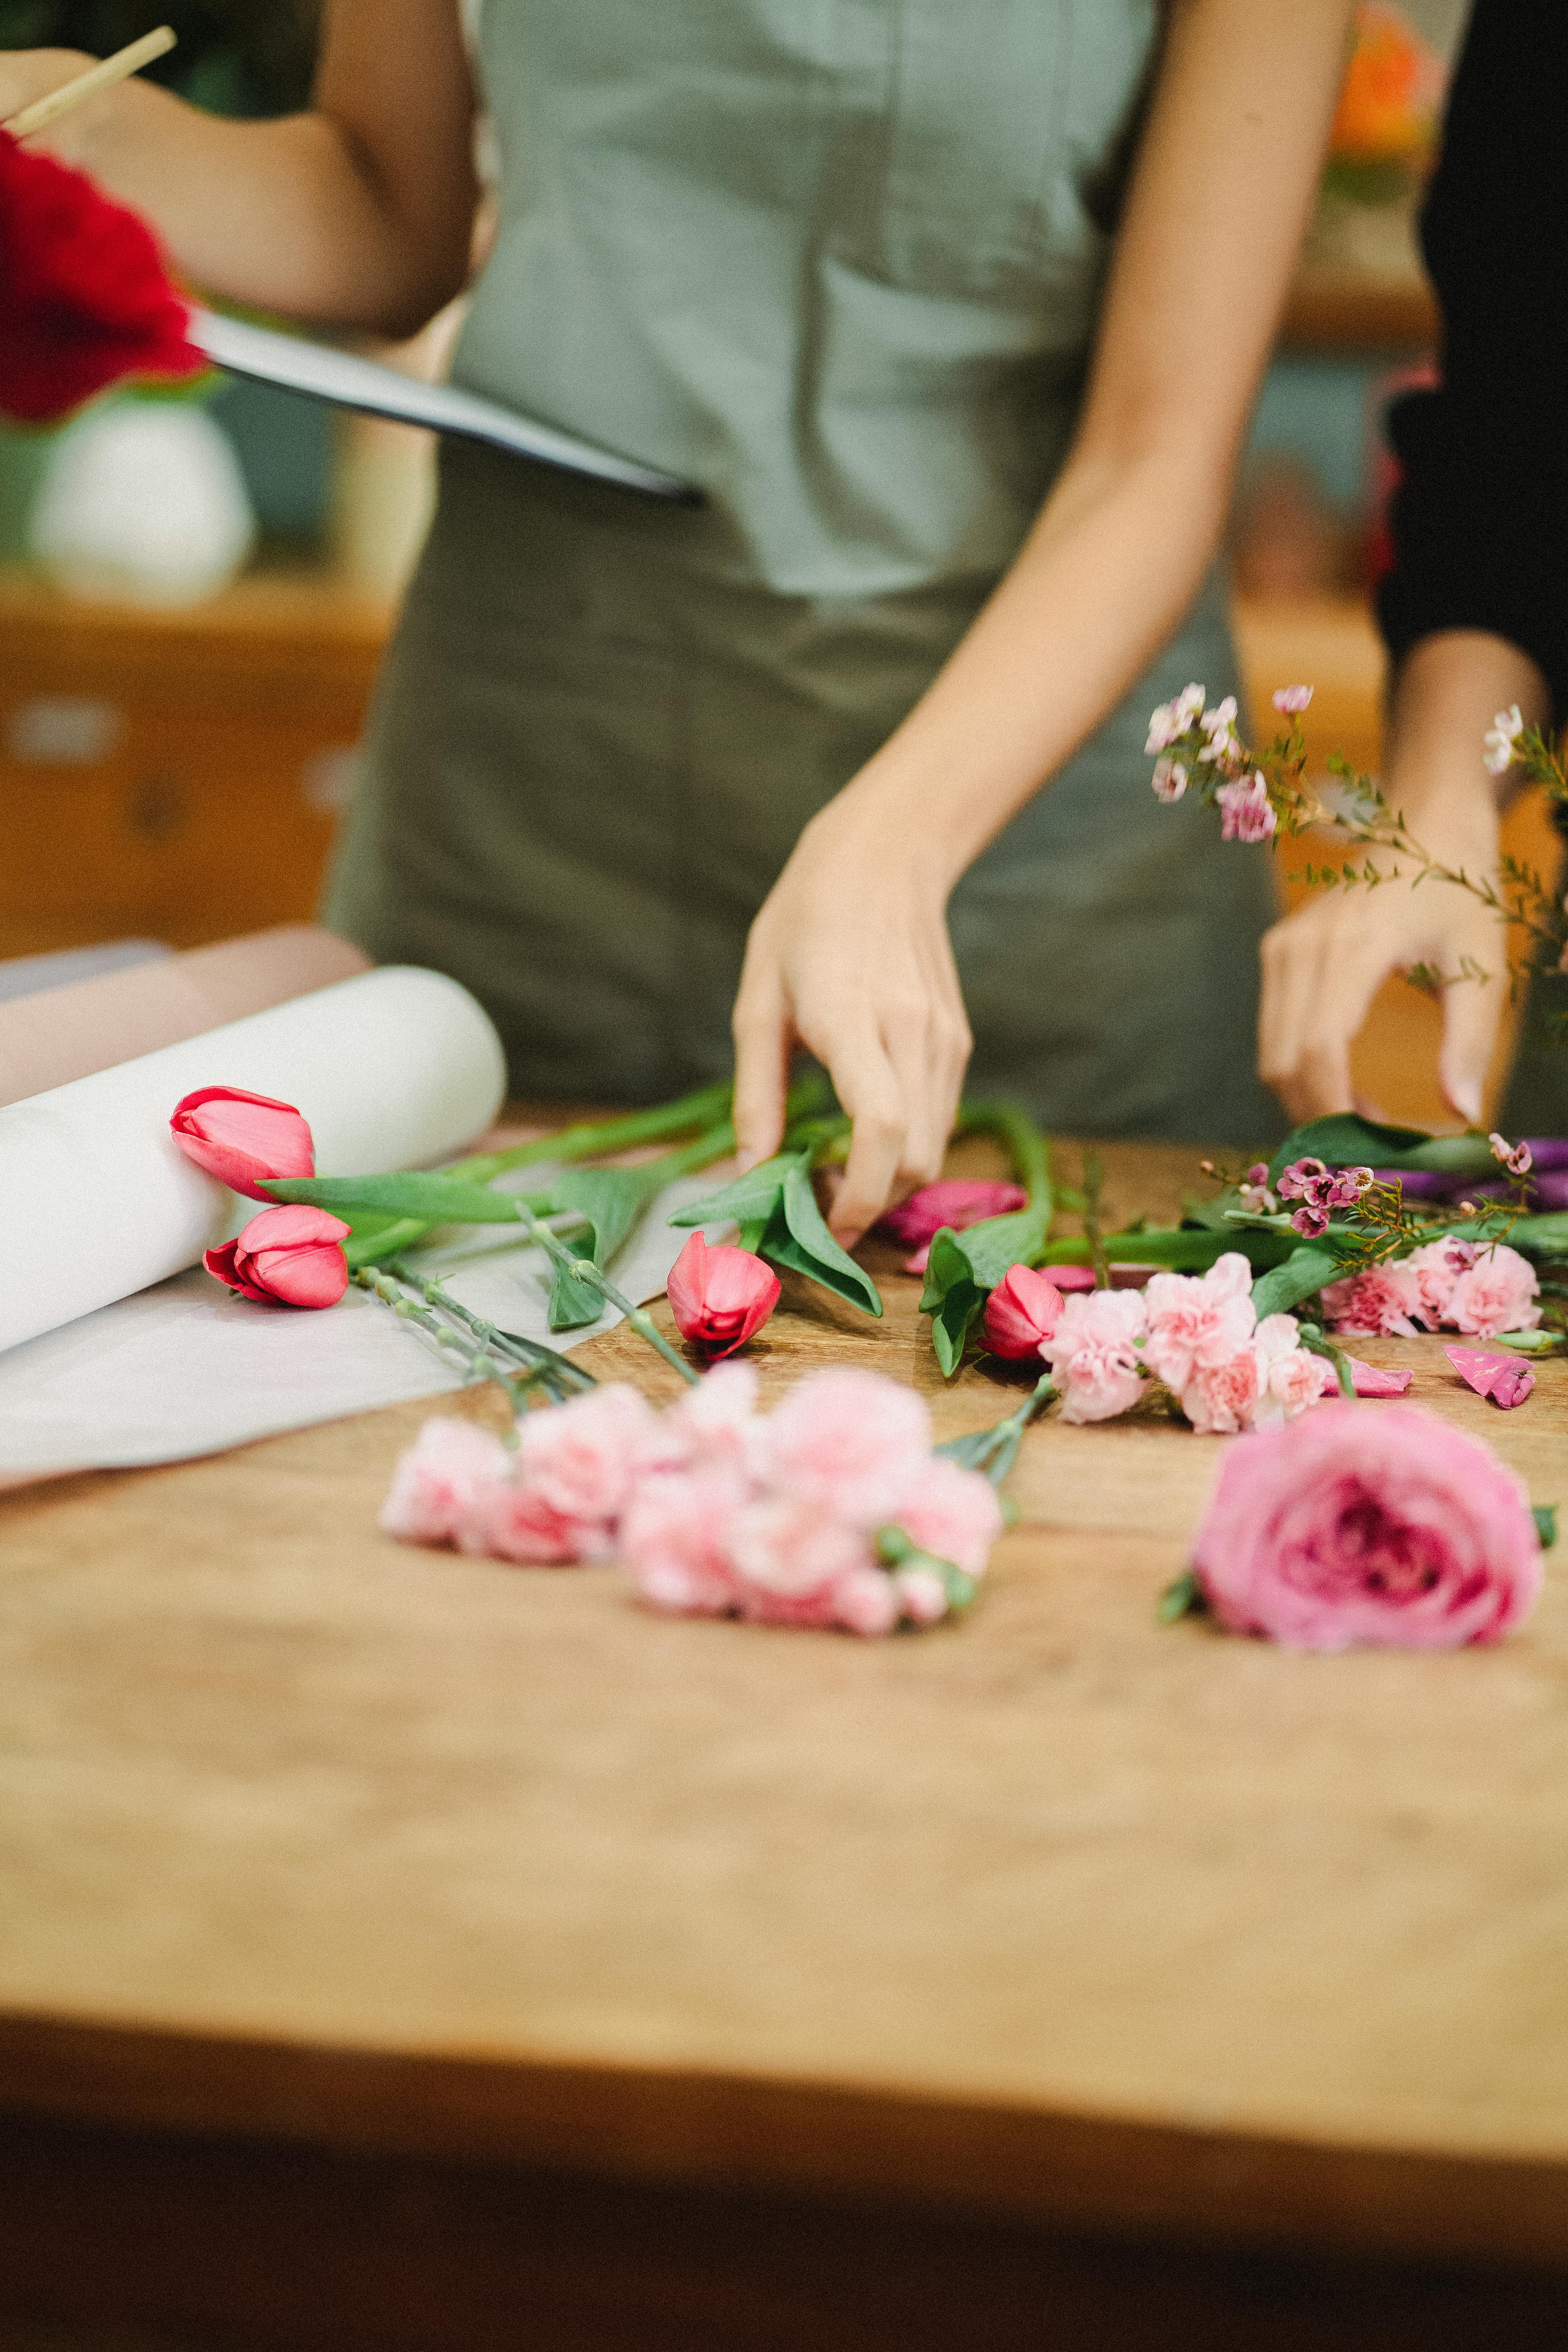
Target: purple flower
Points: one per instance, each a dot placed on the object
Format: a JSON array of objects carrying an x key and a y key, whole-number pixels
[
  {"x": 1517, "y": 1158},
  {"x": 1310, "y": 1221},
  {"x": 1298, "y": 1177}
]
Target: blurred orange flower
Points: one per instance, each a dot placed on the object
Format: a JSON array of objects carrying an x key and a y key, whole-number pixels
[{"x": 1393, "y": 92}]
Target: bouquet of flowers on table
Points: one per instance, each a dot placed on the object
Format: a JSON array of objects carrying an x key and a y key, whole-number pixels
[{"x": 836, "y": 1508}]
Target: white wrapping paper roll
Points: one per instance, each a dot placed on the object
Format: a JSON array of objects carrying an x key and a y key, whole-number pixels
[{"x": 395, "y": 1069}]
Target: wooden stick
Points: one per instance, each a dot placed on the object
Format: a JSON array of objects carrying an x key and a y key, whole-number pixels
[{"x": 129, "y": 60}]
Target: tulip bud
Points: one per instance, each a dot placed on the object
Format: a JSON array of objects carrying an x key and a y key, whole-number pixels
[
  {"x": 241, "y": 1139},
  {"x": 285, "y": 1257},
  {"x": 1021, "y": 1312},
  {"x": 720, "y": 1297}
]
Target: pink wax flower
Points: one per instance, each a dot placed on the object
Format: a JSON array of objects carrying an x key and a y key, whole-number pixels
[
  {"x": 951, "y": 1513},
  {"x": 240, "y": 1137},
  {"x": 1198, "y": 1321},
  {"x": 848, "y": 1443},
  {"x": 1348, "y": 1527},
  {"x": 1376, "y": 1381},
  {"x": 1503, "y": 1378},
  {"x": 1219, "y": 728},
  {"x": 438, "y": 1484},
  {"x": 1381, "y": 1299},
  {"x": 1497, "y": 1293},
  {"x": 1517, "y": 1158},
  {"x": 1291, "y": 699},
  {"x": 1023, "y": 1310},
  {"x": 1093, "y": 1354},
  {"x": 720, "y": 1297},
  {"x": 1169, "y": 780},
  {"x": 285, "y": 1257},
  {"x": 1501, "y": 740},
  {"x": 1172, "y": 719},
  {"x": 1247, "y": 812}
]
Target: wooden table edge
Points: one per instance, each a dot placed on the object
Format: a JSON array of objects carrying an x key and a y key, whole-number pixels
[{"x": 1054, "y": 2169}]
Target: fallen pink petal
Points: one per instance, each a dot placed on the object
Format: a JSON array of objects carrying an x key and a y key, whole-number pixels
[
  {"x": 1376, "y": 1379},
  {"x": 1503, "y": 1378}
]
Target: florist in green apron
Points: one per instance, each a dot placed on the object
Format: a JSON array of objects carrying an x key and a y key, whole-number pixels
[{"x": 955, "y": 315}]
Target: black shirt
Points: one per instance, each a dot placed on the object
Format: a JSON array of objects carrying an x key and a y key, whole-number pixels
[{"x": 1480, "y": 523}]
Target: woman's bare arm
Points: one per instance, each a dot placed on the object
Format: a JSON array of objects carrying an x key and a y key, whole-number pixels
[
  {"x": 849, "y": 956},
  {"x": 359, "y": 212}
]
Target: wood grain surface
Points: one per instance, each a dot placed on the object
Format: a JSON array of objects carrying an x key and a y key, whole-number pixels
[{"x": 1056, "y": 1916}]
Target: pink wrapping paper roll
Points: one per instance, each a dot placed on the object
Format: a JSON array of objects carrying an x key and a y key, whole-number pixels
[{"x": 95, "y": 1025}]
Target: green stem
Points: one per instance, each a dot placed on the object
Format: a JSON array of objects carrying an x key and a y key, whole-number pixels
[
  {"x": 1026, "y": 1147},
  {"x": 1093, "y": 1186},
  {"x": 595, "y": 1139},
  {"x": 538, "y": 1362},
  {"x": 583, "y": 1270},
  {"x": 478, "y": 1362}
]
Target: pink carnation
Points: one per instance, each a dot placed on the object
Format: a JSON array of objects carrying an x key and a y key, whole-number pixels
[
  {"x": 514, "y": 1521},
  {"x": 848, "y": 1443},
  {"x": 1198, "y": 1322},
  {"x": 439, "y": 1482},
  {"x": 1388, "y": 1529},
  {"x": 952, "y": 1513},
  {"x": 1093, "y": 1353},
  {"x": 1498, "y": 1293},
  {"x": 675, "y": 1539},
  {"x": 1434, "y": 1268},
  {"x": 715, "y": 1422},
  {"x": 1290, "y": 1378},
  {"x": 1381, "y": 1299},
  {"x": 790, "y": 1559},
  {"x": 582, "y": 1459},
  {"x": 1223, "y": 1398}
]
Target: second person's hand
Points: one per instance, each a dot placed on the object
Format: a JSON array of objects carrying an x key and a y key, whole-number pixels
[{"x": 849, "y": 958}]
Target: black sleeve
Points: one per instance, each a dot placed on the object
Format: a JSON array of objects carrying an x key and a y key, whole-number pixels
[{"x": 1480, "y": 523}]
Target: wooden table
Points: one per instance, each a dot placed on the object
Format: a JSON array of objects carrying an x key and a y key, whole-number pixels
[{"x": 399, "y": 1950}]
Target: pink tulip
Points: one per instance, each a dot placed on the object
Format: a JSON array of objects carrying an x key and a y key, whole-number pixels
[
  {"x": 1023, "y": 1310},
  {"x": 1502, "y": 1378},
  {"x": 1070, "y": 1277},
  {"x": 958, "y": 1202},
  {"x": 240, "y": 1138},
  {"x": 1389, "y": 1529},
  {"x": 285, "y": 1257},
  {"x": 720, "y": 1296}
]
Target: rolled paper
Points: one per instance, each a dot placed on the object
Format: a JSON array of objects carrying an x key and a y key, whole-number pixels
[
  {"x": 49, "y": 1038},
  {"x": 394, "y": 1068}
]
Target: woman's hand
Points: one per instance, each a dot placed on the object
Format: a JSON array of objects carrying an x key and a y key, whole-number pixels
[
  {"x": 1323, "y": 965},
  {"x": 28, "y": 75},
  {"x": 849, "y": 957}
]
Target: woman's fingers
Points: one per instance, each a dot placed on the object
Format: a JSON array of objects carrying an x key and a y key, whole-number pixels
[
  {"x": 1319, "y": 977},
  {"x": 1472, "y": 1010},
  {"x": 762, "y": 1035}
]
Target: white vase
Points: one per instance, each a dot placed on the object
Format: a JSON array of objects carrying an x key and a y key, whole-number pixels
[{"x": 143, "y": 500}]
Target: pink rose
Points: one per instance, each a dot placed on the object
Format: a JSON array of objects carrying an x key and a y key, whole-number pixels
[
  {"x": 1198, "y": 1322},
  {"x": 674, "y": 1540},
  {"x": 1503, "y": 1378},
  {"x": 240, "y": 1137},
  {"x": 1386, "y": 1528},
  {"x": 1383, "y": 1298},
  {"x": 1021, "y": 1311},
  {"x": 1498, "y": 1293},
  {"x": 438, "y": 1481},
  {"x": 720, "y": 1297},
  {"x": 848, "y": 1443},
  {"x": 285, "y": 1257},
  {"x": 952, "y": 1513},
  {"x": 1093, "y": 1354}
]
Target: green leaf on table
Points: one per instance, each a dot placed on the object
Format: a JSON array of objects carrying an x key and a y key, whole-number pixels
[
  {"x": 776, "y": 1211},
  {"x": 1304, "y": 1272},
  {"x": 1346, "y": 1140},
  {"x": 1184, "y": 1598},
  {"x": 610, "y": 1200},
  {"x": 437, "y": 1200},
  {"x": 1545, "y": 1517}
]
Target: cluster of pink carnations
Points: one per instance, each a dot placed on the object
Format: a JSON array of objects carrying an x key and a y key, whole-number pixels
[
  {"x": 830, "y": 1510},
  {"x": 1448, "y": 1285},
  {"x": 1200, "y": 1334}
]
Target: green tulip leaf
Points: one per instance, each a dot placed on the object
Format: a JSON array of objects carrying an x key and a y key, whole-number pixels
[
  {"x": 610, "y": 1200},
  {"x": 1347, "y": 1141},
  {"x": 1545, "y": 1517},
  {"x": 776, "y": 1211},
  {"x": 437, "y": 1200},
  {"x": 1304, "y": 1272},
  {"x": 751, "y": 1200}
]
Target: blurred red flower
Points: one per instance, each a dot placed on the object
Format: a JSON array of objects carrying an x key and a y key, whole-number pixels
[{"x": 84, "y": 297}]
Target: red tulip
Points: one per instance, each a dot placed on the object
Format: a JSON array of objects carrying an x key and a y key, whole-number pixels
[
  {"x": 285, "y": 1257},
  {"x": 84, "y": 301},
  {"x": 242, "y": 1139},
  {"x": 1021, "y": 1312},
  {"x": 720, "y": 1297}
]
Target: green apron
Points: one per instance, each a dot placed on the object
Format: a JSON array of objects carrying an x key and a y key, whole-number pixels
[{"x": 838, "y": 262}]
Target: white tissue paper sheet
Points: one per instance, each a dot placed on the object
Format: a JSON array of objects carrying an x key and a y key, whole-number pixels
[{"x": 186, "y": 1369}]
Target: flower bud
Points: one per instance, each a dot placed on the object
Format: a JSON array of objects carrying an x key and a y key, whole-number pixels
[
  {"x": 720, "y": 1296},
  {"x": 1023, "y": 1310},
  {"x": 285, "y": 1257},
  {"x": 241, "y": 1139}
]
